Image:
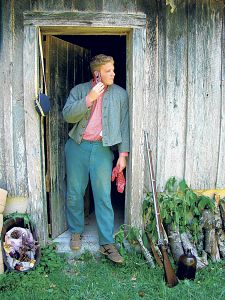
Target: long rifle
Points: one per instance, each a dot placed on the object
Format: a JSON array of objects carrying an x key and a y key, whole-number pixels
[{"x": 170, "y": 276}]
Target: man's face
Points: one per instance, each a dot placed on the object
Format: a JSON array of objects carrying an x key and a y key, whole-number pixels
[{"x": 107, "y": 73}]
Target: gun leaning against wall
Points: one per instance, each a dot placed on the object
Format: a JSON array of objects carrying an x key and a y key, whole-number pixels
[{"x": 170, "y": 276}]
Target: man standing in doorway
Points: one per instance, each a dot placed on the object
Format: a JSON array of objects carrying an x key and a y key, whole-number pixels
[{"x": 99, "y": 111}]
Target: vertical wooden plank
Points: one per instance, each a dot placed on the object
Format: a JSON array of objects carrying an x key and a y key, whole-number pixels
[
  {"x": 129, "y": 88},
  {"x": 37, "y": 207},
  {"x": 13, "y": 175},
  {"x": 221, "y": 161},
  {"x": 62, "y": 134},
  {"x": 17, "y": 98},
  {"x": 204, "y": 94},
  {"x": 119, "y": 6},
  {"x": 79, "y": 70},
  {"x": 9, "y": 181},
  {"x": 172, "y": 97},
  {"x": 55, "y": 5},
  {"x": 70, "y": 70},
  {"x": 136, "y": 91},
  {"x": 162, "y": 84},
  {"x": 5, "y": 86},
  {"x": 52, "y": 67},
  {"x": 47, "y": 135},
  {"x": 67, "y": 5},
  {"x": 151, "y": 99},
  {"x": 89, "y": 5}
]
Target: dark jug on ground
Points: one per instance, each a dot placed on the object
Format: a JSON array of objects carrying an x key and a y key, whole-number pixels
[{"x": 187, "y": 266}]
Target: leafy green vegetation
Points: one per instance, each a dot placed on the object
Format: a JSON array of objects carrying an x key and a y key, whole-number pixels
[
  {"x": 97, "y": 278},
  {"x": 179, "y": 207},
  {"x": 59, "y": 277},
  {"x": 128, "y": 233},
  {"x": 25, "y": 217}
]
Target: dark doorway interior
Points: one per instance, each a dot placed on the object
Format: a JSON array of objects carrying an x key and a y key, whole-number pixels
[{"x": 115, "y": 46}]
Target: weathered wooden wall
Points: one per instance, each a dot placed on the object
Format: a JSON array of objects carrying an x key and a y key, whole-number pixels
[
  {"x": 13, "y": 173},
  {"x": 184, "y": 96},
  {"x": 190, "y": 97},
  {"x": 184, "y": 105}
]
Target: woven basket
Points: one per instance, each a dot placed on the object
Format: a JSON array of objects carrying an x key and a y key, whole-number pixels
[{"x": 19, "y": 222}]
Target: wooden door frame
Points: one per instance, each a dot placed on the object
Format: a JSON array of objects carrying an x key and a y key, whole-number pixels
[{"x": 134, "y": 27}]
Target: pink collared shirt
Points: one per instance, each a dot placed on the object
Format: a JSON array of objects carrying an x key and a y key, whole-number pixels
[{"x": 93, "y": 131}]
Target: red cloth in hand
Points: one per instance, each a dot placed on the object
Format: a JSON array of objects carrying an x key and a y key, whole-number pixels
[{"x": 120, "y": 180}]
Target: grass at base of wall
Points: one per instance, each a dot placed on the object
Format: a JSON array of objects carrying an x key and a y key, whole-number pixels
[{"x": 91, "y": 278}]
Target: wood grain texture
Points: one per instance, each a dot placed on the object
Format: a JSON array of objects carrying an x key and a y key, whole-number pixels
[
  {"x": 7, "y": 93},
  {"x": 85, "y": 30},
  {"x": 66, "y": 5},
  {"x": 172, "y": 97},
  {"x": 88, "y": 5},
  {"x": 53, "y": 65},
  {"x": 204, "y": 95},
  {"x": 13, "y": 175},
  {"x": 20, "y": 163},
  {"x": 220, "y": 182},
  {"x": 35, "y": 170},
  {"x": 136, "y": 158},
  {"x": 119, "y": 5},
  {"x": 129, "y": 80},
  {"x": 5, "y": 86},
  {"x": 151, "y": 83},
  {"x": 84, "y": 18}
]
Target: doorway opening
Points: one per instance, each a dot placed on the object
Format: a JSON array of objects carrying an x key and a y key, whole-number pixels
[{"x": 67, "y": 64}]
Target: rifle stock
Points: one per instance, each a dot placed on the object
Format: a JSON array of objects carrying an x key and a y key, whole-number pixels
[{"x": 170, "y": 276}]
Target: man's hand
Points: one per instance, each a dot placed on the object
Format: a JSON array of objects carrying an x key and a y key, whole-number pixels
[
  {"x": 96, "y": 91},
  {"x": 121, "y": 162}
]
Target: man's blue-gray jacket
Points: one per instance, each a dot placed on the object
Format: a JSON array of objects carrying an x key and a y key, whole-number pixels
[{"x": 115, "y": 118}]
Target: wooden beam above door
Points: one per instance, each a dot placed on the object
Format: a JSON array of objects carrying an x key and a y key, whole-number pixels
[
  {"x": 72, "y": 30},
  {"x": 85, "y": 19}
]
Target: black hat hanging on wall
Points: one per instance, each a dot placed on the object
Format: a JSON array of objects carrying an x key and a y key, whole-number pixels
[{"x": 42, "y": 102}]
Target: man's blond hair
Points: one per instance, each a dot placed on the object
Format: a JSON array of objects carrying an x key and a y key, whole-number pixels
[{"x": 100, "y": 60}]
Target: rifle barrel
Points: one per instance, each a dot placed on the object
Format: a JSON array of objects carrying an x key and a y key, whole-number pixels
[
  {"x": 170, "y": 276},
  {"x": 150, "y": 167}
]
